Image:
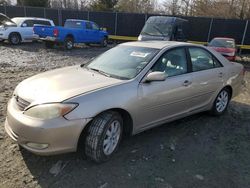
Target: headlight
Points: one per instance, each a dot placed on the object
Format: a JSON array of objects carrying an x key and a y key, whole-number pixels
[
  {"x": 140, "y": 37},
  {"x": 50, "y": 111}
]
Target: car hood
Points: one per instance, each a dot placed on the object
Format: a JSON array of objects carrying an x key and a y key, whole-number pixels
[
  {"x": 61, "y": 84},
  {"x": 6, "y": 21}
]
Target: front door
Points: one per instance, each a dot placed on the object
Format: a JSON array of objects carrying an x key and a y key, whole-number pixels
[{"x": 162, "y": 100}]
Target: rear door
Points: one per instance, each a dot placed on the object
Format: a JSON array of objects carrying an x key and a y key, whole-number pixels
[
  {"x": 161, "y": 100},
  {"x": 207, "y": 76}
]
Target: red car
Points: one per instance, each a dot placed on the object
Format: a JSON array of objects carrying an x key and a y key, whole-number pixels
[{"x": 225, "y": 46}]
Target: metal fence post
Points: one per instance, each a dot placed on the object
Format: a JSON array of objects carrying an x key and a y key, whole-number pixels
[
  {"x": 44, "y": 12},
  {"x": 115, "y": 23},
  {"x": 146, "y": 17},
  {"x": 88, "y": 15},
  {"x": 5, "y": 10},
  {"x": 24, "y": 9},
  {"x": 244, "y": 34},
  {"x": 210, "y": 29},
  {"x": 59, "y": 17}
]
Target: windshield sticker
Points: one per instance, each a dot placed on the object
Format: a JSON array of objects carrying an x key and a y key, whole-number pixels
[{"x": 139, "y": 54}]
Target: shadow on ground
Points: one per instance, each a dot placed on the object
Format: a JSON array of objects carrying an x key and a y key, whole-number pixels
[{"x": 197, "y": 151}]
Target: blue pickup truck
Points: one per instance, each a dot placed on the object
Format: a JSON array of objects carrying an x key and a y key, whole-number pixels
[{"x": 74, "y": 31}]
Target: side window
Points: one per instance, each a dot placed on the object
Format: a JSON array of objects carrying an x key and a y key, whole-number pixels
[
  {"x": 202, "y": 60},
  {"x": 42, "y": 22},
  {"x": 28, "y": 23},
  {"x": 173, "y": 62},
  {"x": 95, "y": 27},
  {"x": 88, "y": 25}
]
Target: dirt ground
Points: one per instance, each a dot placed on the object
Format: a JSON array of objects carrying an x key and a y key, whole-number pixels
[{"x": 198, "y": 151}]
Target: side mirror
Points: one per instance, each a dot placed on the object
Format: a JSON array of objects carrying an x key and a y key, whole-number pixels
[
  {"x": 155, "y": 76},
  {"x": 24, "y": 25}
]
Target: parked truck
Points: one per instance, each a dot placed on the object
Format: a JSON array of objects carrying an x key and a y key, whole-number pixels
[
  {"x": 74, "y": 31},
  {"x": 165, "y": 28},
  {"x": 20, "y": 29}
]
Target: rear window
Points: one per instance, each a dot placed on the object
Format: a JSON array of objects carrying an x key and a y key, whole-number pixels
[
  {"x": 73, "y": 24},
  {"x": 223, "y": 43}
]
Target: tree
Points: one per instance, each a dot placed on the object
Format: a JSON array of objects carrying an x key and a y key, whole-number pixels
[
  {"x": 103, "y": 5},
  {"x": 5, "y": 2},
  {"x": 136, "y": 6},
  {"x": 33, "y": 3},
  {"x": 172, "y": 7}
]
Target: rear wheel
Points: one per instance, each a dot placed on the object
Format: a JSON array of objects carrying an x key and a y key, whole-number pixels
[
  {"x": 49, "y": 44},
  {"x": 69, "y": 43},
  {"x": 104, "y": 42},
  {"x": 104, "y": 135},
  {"x": 15, "y": 38},
  {"x": 221, "y": 102}
]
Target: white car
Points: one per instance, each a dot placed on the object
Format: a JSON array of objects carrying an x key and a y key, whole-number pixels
[{"x": 20, "y": 29}]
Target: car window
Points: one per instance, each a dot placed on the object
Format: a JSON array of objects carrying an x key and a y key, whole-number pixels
[
  {"x": 95, "y": 27},
  {"x": 73, "y": 24},
  {"x": 42, "y": 22},
  {"x": 173, "y": 63},
  {"x": 202, "y": 60},
  {"x": 222, "y": 43},
  {"x": 88, "y": 25},
  {"x": 30, "y": 23}
]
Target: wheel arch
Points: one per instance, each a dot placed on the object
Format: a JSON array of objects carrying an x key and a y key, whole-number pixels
[
  {"x": 127, "y": 124},
  {"x": 230, "y": 90},
  {"x": 69, "y": 35}
]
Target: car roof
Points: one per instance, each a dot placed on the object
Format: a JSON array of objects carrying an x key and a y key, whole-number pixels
[
  {"x": 157, "y": 44},
  {"x": 78, "y": 20},
  {"x": 33, "y": 18},
  {"x": 224, "y": 38}
]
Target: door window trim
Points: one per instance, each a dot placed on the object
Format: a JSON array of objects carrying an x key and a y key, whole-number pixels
[{"x": 210, "y": 53}]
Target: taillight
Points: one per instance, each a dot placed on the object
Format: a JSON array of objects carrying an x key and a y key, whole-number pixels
[{"x": 55, "y": 32}]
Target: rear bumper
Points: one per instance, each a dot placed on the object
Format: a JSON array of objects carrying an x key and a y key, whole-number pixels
[{"x": 52, "y": 39}]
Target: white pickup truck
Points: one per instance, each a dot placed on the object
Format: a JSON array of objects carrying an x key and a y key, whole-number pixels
[{"x": 20, "y": 29}]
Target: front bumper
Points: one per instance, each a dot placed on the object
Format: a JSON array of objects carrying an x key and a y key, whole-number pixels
[
  {"x": 60, "y": 135},
  {"x": 3, "y": 36}
]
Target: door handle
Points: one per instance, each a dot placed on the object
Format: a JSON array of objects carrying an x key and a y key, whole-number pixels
[{"x": 187, "y": 83}]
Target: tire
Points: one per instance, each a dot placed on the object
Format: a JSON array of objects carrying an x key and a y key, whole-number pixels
[
  {"x": 221, "y": 102},
  {"x": 104, "y": 42},
  {"x": 15, "y": 38},
  {"x": 69, "y": 43},
  {"x": 103, "y": 136},
  {"x": 49, "y": 44}
]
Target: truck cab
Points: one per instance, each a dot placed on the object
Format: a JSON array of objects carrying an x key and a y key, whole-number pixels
[{"x": 164, "y": 28}]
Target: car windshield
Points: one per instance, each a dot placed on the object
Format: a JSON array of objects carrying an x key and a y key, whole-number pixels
[
  {"x": 123, "y": 61},
  {"x": 157, "y": 29},
  {"x": 223, "y": 43}
]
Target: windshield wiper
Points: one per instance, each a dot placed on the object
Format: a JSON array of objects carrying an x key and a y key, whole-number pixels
[
  {"x": 157, "y": 29},
  {"x": 99, "y": 71}
]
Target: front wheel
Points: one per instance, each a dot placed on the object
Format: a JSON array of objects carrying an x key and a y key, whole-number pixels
[
  {"x": 15, "y": 38},
  {"x": 221, "y": 102},
  {"x": 104, "y": 135},
  {"x": 104, "y": 42}
]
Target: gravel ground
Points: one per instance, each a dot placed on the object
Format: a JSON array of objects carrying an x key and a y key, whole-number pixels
[{"x": 198, "y": 151}]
